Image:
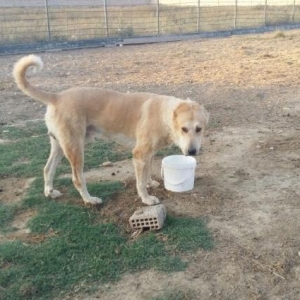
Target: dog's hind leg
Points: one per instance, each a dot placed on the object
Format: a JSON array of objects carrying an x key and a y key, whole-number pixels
[
  {"x": 54, "y": 159},
  {"x": 74, "y": 152},
  {"x": 142, "y": 166}
]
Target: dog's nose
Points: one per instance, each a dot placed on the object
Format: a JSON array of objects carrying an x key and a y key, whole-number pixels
[{"x": 192, "y": 151}]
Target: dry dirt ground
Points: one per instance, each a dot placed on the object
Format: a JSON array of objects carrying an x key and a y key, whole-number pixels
[{"x": 247, "y": 183}]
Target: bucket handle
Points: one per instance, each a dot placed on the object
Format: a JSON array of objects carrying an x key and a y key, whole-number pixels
[{"x": 181, "y": 182}]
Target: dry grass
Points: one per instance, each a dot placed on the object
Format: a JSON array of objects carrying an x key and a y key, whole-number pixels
[{"x": 29, "y": 24}]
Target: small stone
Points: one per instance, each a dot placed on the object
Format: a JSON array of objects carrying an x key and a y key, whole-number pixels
[
  {"x": 18, "y": 192},
  {"x": 107, "y": 164}
]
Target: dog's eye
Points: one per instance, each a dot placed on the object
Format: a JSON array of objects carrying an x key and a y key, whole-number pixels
[
  {"x": 198, "y": 129},
  {"x": 184, "y": 129}
]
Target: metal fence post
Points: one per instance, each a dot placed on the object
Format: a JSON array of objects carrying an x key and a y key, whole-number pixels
[
  {"x": 235, "y": 13},
  {"x": 48, "y": 20},
  {"x": 157, "y": 13},
  {"x": 198, "y": 17},
  {"x": 131, "y": 13},
  {"x": 105, "y": 18},
  {"x": 266, "y": 5},
  {"x": 293, "y": 15}
]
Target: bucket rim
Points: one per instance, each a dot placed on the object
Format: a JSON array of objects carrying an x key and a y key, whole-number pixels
[{"x": 189, "y": 162}]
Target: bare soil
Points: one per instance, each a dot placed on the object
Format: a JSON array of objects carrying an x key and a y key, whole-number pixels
[{"x": 247, "y": 183}]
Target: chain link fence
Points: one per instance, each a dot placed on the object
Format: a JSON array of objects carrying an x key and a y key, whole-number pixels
[{"x": 38, "y": 25}]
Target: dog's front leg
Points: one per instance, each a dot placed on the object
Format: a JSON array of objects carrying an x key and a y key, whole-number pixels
[
  {"x": 150, "y": 182},
  {"x": 142, "y": 165}
]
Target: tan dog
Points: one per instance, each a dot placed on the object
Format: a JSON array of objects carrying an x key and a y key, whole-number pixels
[{"x": 146, "y": 122}]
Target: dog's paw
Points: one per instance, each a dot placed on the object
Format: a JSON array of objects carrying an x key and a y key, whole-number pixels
[
  {"x": 150, "y": 200},
  {"x": 53, "y": 194},
  {"x": 153, "y": 184},
  {"x": 92, "y": 201}
]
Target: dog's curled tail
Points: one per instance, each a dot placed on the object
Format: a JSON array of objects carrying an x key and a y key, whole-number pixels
[{"x": 19, "y": 74}]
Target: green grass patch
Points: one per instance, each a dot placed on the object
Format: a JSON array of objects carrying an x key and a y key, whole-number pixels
[
  {"x": 6, "y": 215},
  {"x": 188, "y": 234},
  {"x": 27, "y": 130},
  {"x": 85, "y": 252}
]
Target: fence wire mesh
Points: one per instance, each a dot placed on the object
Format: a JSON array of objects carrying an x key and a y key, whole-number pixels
[{"x": 47, "y": 24}]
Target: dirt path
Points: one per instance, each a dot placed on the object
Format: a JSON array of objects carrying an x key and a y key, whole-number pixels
[{"x": 247, "y": 184}]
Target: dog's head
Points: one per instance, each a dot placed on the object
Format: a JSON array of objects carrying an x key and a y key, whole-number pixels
[{"x": 189, "y": 121}]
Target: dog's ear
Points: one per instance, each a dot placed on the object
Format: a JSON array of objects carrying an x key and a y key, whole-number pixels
[
  {"x": 206, "y": 114},
  {"x": 181, "y": 108}
]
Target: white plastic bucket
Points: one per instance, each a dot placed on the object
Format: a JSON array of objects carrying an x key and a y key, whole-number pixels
[{"x": 178, "y": 172}]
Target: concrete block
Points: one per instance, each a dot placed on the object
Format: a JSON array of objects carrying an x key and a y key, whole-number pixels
[{"x": 148, "y": 217}]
